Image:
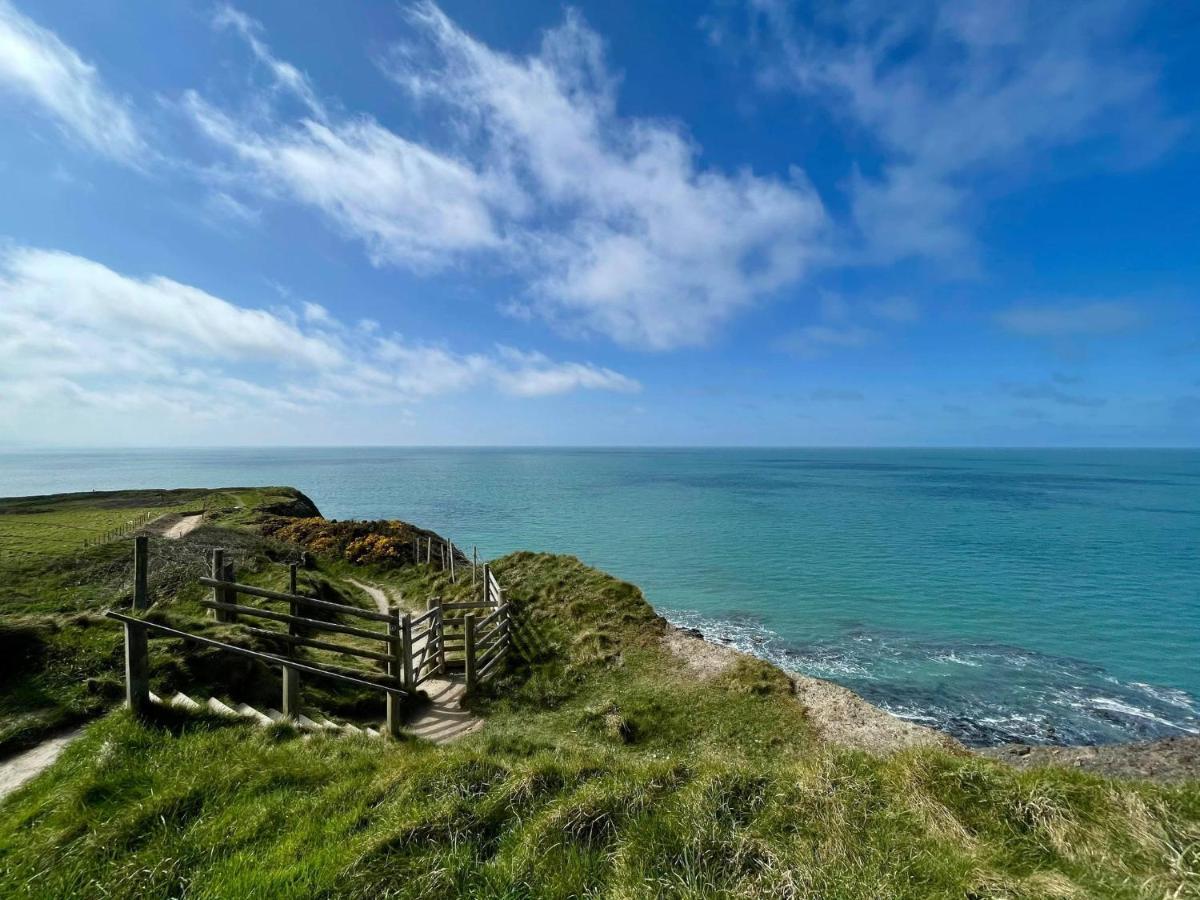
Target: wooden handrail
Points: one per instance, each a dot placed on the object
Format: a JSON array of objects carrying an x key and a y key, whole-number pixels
[
  {"x": 428, "y": 614},
  {"x": 269, "y": 658},
  {"x": 266, "y": 594},
  {"x": 315, "y": 624},
  {"x": 320, "y": 645},
  {"x": 484, "y": 622}
]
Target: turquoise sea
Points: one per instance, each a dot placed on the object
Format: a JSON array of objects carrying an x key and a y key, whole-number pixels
[{"x": 1042, "y": 595}]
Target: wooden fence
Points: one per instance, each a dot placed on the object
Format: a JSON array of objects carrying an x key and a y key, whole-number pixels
[{"x": 469, "y": 637}]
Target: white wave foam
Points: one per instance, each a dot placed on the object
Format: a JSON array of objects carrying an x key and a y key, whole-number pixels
[{"x": 1117, "y": 706}]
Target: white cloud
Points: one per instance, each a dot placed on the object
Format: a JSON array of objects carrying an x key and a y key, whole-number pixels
[
  {"x": 815, "y": 340},
  {"x": 36, "y": 65},
  {"x": 408, "y": 204},
  {"x": 74, "y": 333},
  {"x": 896, "y": 309},
  {"x": 1104, "y": 317},
  {"x": 612, "y": 222},
  {"x": 952, "y": 90},
  {"x": 285, "y": 76}
]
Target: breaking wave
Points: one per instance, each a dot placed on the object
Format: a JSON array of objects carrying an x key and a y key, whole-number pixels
[{"x": 982, "y": 694}]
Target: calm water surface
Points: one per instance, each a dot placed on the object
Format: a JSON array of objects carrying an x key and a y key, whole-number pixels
[{"x": 1041, "y": 595}]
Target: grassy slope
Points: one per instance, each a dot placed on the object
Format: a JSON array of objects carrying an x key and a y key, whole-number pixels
[
  {"x": 60, "y": 661},
  {"x": 603, "y": 770}
]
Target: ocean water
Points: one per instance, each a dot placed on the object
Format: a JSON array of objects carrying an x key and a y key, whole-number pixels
[{"x": 1040, "y": 595}]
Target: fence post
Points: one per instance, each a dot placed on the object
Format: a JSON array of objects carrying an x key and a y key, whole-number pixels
[
  {"x": 141, "y": 599},
  {"x": 231, "y": 596},
  {"x": 469, "y": 649},
  {"x": 291, "y": 692},
  {"x": 137, "y": 668},
  {"x": 292, "y": 578},
  {"x": 440, "y": 619},
  {"x": 218, "y": 571},
  {"x": 487, "y": 583},
  {"x": 395, "y": 669},
  {"x": 406, "y": 640},
  {"x": 474, "y": 564},
  {"x": 429, "y": 550},
  {"x": 452, "y": 562}
]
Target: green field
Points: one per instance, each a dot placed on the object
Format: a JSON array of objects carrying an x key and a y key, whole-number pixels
[
  {"x": 605, "y": 769},
  {"x": 65, "y": 523}
]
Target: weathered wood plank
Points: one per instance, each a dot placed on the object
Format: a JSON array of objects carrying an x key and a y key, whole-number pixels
[
  {"x": 266, "y": 594},
  {"x": 270, "y": 658},
  {"x": 314, "y": 624},
  {"x": 319, "y": 645}
]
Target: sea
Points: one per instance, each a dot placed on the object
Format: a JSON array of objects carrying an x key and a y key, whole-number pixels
[{"x": 1044, "y": 596}]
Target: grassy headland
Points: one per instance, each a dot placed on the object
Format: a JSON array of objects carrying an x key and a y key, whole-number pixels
[{"x": 607, "y": 767}]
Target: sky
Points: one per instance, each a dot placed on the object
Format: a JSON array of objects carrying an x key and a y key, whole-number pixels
[{"x": 744, "y": 222}]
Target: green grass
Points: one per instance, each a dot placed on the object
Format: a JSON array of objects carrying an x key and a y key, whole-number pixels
[{"x": 604, "y": 769}]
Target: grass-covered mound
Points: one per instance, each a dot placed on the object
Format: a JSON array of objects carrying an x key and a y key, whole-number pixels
[{"x": 605, "y": 769}]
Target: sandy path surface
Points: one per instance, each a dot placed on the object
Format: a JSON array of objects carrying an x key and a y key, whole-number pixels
[
  {"x": 19, "y": 769},
  {"x": 173, "y": 526},
  {"x": 378, "y": 594},
  {"x": 839, "y": 715},
  {"x": 444, "y": 719}
]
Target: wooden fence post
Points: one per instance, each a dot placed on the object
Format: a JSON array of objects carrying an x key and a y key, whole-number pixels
[
  {"x": 291, "y": 692},
  {"x": 231, "y": 596},
  {"x": 429, "y": 550},
  {"x": 395, "y": 669},
  {"x": 487, "y": 583},
  {"x": 452, "y": 562},
  {"x": 469, "y": 649},
  {"x": 406, "y": 640},
  {"x": 293, "y": 607},
  {"x": 474, "y": 564},
  {"x": 141, "y": 599},
  {"x": 137, "y": 668},
  {"x": 440, "y": 619},
  {"x": 218, "y": 570}
]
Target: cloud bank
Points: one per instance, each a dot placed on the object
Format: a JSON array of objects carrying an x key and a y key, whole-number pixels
[{"x": 77, "y": 333}]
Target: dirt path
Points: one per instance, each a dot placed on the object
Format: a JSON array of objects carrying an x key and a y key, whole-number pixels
[
  {"x": 378, "y": 594},
  {"x": 21, "y": 768},
  {"x": 444, "y": 719},
  {"x": 173, "y": 526}
]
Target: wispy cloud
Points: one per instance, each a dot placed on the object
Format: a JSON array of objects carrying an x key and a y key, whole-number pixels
[
  {"x": 1070, "y": 320},
  {"x": 286, "y": 77},
  {"x": 37, "y": 66},
  {"x": 1050, "y": 391},
  {"x": 896, "y": 309},
  {"x": 951, "y": 91},
  {"x": 74, "y": 331},
  {"x": 613, "y": 223},
  {"x": 814, "y": 340}
]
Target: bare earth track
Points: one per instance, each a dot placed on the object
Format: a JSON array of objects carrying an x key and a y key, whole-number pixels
[
  {"x": 444, "y": 719},
  {"x": 173, "y": 526},
  {"x": 21, "y": 768}
]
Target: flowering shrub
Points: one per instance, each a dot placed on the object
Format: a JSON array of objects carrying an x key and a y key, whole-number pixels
[{"x": 385, "y": 542}]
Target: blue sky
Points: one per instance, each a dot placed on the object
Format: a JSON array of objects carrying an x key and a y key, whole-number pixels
[{"x": 855, "y": 223}]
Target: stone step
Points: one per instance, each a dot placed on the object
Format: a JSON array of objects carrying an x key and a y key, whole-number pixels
[
  {"x": 183, "y": 701},
  {"x": 220, "y": 708},
  {"x": 250, "y": 712}
]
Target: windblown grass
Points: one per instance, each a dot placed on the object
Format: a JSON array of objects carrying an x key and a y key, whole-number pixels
[{"x": 604, "y": 769}]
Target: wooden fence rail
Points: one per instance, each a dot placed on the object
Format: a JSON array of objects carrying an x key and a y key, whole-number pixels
[{"x": 414, "y": 648}]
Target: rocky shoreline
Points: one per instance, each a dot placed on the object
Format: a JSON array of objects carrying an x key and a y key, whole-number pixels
[{"x": 842, "y": 717}]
